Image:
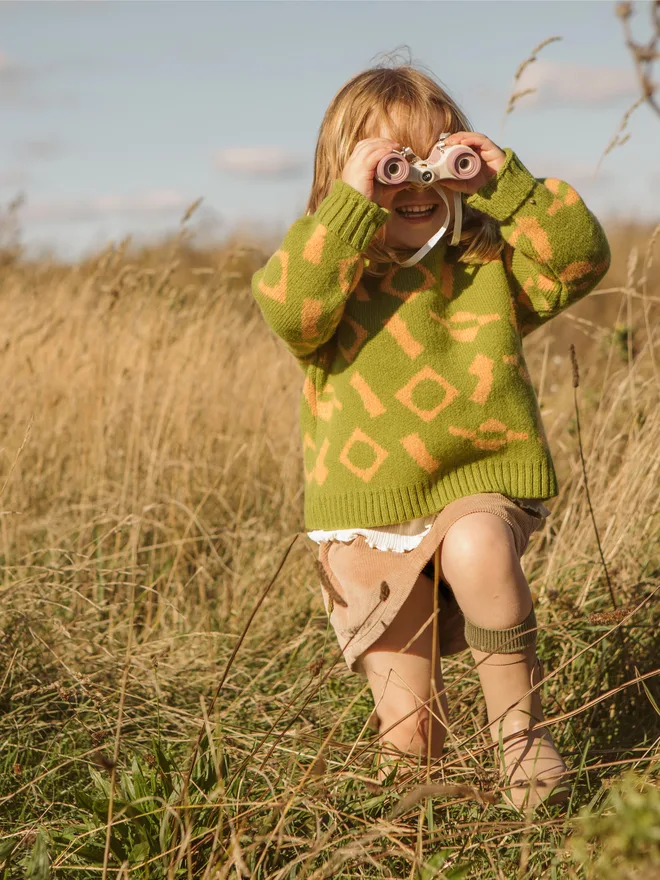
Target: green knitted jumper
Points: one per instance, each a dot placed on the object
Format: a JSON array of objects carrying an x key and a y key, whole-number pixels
[{"x": 416, "y": 391}]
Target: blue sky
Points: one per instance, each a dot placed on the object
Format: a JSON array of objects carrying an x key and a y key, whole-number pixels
[{"x": 116, "y": 115}]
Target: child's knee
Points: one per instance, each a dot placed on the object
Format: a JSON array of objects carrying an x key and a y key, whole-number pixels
[{"x": 478, "y": 543}]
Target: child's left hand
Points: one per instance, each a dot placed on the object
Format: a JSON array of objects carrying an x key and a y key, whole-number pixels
[{"x": 492, "y": 159}]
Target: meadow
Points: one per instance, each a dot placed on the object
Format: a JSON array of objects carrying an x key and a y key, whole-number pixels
[{"x": 172, "y": 699}]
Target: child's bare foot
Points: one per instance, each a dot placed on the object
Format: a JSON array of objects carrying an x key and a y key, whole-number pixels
[{"x": 534, "y": 770}]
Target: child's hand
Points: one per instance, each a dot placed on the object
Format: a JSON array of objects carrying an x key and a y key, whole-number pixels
[
  {"x": 360, "y": 169},
  {"x": 492, "y": 159}
]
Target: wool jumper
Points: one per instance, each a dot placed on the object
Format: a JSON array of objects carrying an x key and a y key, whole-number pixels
[{"x": 416, "y": 391}]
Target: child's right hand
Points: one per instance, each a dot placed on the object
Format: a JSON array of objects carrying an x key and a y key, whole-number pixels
[{"x": 360, "y": 169}]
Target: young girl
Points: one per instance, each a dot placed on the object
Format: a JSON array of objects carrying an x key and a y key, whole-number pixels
[{"x": 425, "y": 456}]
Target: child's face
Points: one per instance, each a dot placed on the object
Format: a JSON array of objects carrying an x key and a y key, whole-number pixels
[{"x": 406, "y": 228}]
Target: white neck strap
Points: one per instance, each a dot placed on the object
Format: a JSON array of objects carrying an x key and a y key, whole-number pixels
[{"x": 456, "y": 235}]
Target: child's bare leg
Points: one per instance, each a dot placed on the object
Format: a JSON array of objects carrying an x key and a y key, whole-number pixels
[
  {"x": 400, "y": 680},
  {"x": 480, "y": 562}
]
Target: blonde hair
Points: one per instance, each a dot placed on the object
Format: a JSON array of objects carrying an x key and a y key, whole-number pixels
[{"x": 409, "y": 100}]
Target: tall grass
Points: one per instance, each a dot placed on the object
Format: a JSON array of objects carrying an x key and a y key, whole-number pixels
[{"x": 150, "y": 486}]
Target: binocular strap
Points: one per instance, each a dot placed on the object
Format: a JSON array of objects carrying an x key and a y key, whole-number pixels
[{"x": 456, "y": 235}]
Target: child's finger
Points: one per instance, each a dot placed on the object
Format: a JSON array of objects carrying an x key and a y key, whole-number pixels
[
  {"x": 484, "y": 144},
  {"x": 374, "y": 143},
  {"x": 466, "y": 137}
]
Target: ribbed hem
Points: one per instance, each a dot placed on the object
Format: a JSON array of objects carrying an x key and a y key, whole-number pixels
[
  {"x": 396, "y": 504},
  {"x": 350, "y": 215},
  {"x": 506, "y": 192},
  {"x": 502, "y": 641}
]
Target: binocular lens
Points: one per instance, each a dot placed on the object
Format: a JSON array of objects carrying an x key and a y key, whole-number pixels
[
  {"x": 393, "y": 169},
  {"x": 465, "y": 163}
]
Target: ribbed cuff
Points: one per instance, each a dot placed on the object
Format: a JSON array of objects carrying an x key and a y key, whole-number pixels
[
  {"x": 502, "y": 641},
  {"x": 350, "y": 215},
  {"x": 506, "y": 192}
]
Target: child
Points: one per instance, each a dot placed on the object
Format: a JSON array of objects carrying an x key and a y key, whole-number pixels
[{"x": 425, "y": 456}]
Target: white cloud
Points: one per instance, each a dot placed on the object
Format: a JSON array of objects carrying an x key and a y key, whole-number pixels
[
  {"x": 154, "y": 203},
  {"x": 13, "y": 178},
  {"x": 261, "y": 162},
  {"x": 14, "y": 79},
  {"x": 576, "y": 84},
  {"x": 38, "y": 149}
]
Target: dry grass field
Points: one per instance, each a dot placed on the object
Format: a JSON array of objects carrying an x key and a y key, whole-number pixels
[{"x": 151, "y": 485}]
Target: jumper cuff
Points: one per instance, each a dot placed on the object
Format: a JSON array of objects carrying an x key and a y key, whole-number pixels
[
  {"x": 506, "y": 192},
  {"x": 350, "y": 215},
  {"x": 502, "y": 641}
]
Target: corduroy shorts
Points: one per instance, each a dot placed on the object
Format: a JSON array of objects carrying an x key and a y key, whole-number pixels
[{"x": 363, "y": 588}]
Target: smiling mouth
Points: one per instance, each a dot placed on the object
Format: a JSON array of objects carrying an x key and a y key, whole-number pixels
[{"x": 417, "y": 213}]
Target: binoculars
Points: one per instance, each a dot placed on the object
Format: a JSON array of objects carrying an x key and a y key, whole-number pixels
[{"x": 403, "y": 166}]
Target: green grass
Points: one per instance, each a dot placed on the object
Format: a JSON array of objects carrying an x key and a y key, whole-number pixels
[{"x": 151, "y": 489}]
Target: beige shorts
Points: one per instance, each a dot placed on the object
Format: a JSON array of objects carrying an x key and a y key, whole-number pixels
[{"x": 364, "y": 587}]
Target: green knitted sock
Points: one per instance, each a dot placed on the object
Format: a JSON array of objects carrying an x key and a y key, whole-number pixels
[{"x": 502, "y": 641}]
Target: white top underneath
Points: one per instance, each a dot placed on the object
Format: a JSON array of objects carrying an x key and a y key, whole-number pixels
[{"x": 401, "y": 537}]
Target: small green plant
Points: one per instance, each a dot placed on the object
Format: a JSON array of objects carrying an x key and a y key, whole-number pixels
[{"x": 621, "y": 839}]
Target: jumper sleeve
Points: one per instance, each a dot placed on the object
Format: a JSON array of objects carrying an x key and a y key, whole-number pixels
[
  {"x": 304, "y": 286},
  {"x": 555, "y": 249}
]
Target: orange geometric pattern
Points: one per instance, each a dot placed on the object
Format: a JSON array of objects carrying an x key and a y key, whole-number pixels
[
  {"x": 319, "y": 471},
  {"x": 361, "y": 293},
  {"x": 309, "y": 393},
  {"x": 336, "y": 316},
  {"x": 582, "y": 272},
  {"x": 276, "y": 291},
  {"x": 414, "y": 446},
  {"x": 547, "y": 285},
  {"x": 575, "y": 271},
  {"x": 360, "y": 336},
  {"x": 380, "y": 454},
  {"x": 465, "y": 334},
  {"x": 327, "y": 406},
  {"x": 368, "y": 396},
  {"x": 404, "y": 394},
  {"x": 427, "y": 282},
  {"x": 482, "y": 368},
  {"x": 569, "y": 197},
  {"x": 313, "y": 251},
  {"x": 399, "y": 331},
  {"x": 491, "y": 426},
  {"x": 350, "y": 272},
  {"x": 538, "y": 284},
  {"x": 311, "y": 311},
  {"x": 532, "y": 229}
]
